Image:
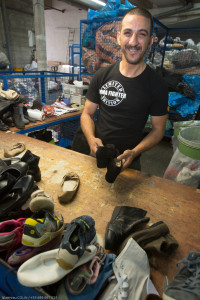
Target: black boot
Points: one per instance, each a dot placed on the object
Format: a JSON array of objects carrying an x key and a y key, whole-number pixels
[
  {"x": 33, "y": 162},
  {"x": 3, "y": 127},
  {"x": 124, "y": 221},
  {"x": 17, "y": 117}
]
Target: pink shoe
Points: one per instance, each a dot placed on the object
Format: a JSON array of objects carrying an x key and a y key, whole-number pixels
[{"x": 11, "y": 234}]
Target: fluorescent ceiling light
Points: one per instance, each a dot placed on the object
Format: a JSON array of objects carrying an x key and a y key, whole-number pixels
[{"x": 99, "y": 2}]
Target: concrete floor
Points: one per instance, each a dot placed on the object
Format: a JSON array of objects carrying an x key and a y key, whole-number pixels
[{"x": 156, "y": 160}]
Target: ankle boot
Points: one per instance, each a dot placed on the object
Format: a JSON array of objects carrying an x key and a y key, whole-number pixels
[
  {"x": 17, "y": 117},
  {"x": 22, "y": 115},
  {"x": 33, "y": 162},
  {"x": 150, "y": 239},
  {"x": 124, "y": 221}
]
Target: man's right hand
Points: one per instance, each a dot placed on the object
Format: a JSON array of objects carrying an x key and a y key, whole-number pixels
[{"x": 94, "y": 144}]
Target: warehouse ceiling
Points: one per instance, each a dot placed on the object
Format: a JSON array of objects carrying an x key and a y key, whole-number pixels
[{"x": 172, "y": 13}]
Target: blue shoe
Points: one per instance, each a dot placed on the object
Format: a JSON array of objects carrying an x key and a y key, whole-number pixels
[{"x": 80, "y": 233}]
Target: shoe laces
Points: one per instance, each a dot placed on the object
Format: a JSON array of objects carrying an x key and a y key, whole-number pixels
[
  {"x": 192, "y": 263},
  {"x": 120, "y": 291}
]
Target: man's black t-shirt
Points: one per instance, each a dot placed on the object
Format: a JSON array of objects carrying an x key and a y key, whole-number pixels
[{"x": 125, "y": 104}]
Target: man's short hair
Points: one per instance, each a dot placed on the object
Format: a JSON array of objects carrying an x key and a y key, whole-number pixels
[{"x": 139, "y": 11}]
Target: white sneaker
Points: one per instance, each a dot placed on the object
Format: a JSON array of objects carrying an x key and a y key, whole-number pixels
[{"x": 131, "y": 274}]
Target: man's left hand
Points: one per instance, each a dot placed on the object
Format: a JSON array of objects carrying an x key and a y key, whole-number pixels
[{"x": 126, "y": 157}]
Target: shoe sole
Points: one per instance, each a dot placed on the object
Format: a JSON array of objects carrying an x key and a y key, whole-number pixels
[
  {"x": 47, "y": 237},
  {"x": 66, "y": 260},
  {"x": 39, "y": 203}
]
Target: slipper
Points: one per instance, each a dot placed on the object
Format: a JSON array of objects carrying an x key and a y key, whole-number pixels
[
  {"x": 41, "y": 200},
  {"x": 69, "y": 187},
  {"x": 17, "y": 196},
  {"x": 33, "y": 272},
  {"x": 15, "y": 150}
]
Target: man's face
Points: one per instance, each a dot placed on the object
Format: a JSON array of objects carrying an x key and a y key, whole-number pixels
[{"x": 134, "y": 38}]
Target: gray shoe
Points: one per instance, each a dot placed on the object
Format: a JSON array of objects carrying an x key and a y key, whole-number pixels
[{"x": 186, "y": 283}]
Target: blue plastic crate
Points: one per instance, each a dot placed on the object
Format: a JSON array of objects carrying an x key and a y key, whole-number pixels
[{"x": 10, "y": 288}]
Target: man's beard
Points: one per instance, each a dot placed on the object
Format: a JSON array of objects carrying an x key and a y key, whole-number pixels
[{"x": 134, "y": 61}]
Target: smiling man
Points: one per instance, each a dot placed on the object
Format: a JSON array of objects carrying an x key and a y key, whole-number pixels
[{"x": 126, "y": 93}]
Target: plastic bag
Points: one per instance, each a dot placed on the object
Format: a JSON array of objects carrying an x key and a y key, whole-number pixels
[
  {"x": 184, "y": 170},
  {"x": 178, "y": 126}
]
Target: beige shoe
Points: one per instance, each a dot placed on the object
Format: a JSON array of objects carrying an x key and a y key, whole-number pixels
[
  {"x": 68, "y": 188},
  {"x": 15, "y": 150},
  {"x": 9, "y": 94}
]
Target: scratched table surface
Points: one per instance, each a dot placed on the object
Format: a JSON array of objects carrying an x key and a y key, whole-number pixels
[{"x": 175, "y": 204}]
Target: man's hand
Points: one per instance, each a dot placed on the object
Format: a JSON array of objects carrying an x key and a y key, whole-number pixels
[
  {"x": 94, "y": 144},
  {"x": 127, "y": 157}
]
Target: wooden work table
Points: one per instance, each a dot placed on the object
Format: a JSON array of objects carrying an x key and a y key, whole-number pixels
[{"x": 175, "y": 204}]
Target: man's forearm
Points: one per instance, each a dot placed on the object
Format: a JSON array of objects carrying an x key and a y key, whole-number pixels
[
  {"x": 88, "y": 127},
  {"x": 149, "y": 141}
]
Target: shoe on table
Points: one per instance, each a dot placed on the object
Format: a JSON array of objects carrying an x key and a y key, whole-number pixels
[
  {"x": 80, "y": 233},
  {"x": 42, "y": 227},
  {"x": 186, "y": 283},
  {"x": 69, "y": 187},
  {"x": 24, "y": 253},
  {"x": 14, "y": 150},
  {"x": 10, "y": 235},
  {"x": 79, "y": 278},
  {"x": 41, "y": 200}
]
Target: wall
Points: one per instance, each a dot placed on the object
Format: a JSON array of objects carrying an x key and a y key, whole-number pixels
[
  {"x": 62, "y": 29},
  {"x": 19, "y": 21},
  {"x": 57, "y": 26}
]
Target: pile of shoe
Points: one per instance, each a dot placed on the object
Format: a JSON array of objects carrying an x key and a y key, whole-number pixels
[
  {"x": 15, "y": 112},
  {"x": 23, "y": 238},
  {"x": 130, "y": 223},
  {"x": 79, "y": 265},
  {"x": 17, "y": 181},
  {"x": 107, "y": 158},
  {"x": 71, "y": 261}
]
